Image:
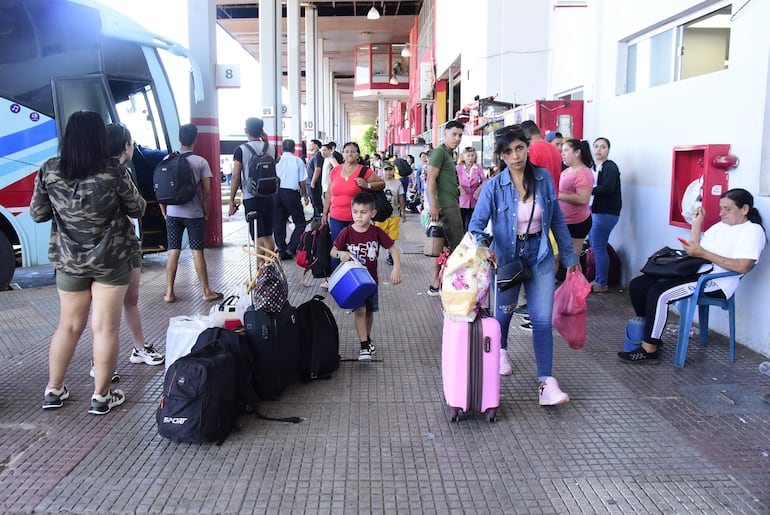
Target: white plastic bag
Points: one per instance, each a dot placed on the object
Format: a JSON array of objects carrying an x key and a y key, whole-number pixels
[
  {"x": 692, "y": 198},
  {"x": 181, "y": 335}
]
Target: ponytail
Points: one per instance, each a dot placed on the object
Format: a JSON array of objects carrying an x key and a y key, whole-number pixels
[{"x": 755, "y": 217}]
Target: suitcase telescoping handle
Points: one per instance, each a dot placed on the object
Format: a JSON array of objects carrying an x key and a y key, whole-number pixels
[{"x": 492, "y": 289}]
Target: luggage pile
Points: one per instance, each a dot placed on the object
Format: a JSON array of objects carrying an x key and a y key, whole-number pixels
[
  {"x": 470, "y": 345},
  {"x": 226, "y": 373}
]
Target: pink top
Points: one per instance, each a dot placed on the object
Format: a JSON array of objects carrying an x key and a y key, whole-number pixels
[
  {"x": 469, "y": 183},
  {"x": 522, "y": 218},
  {"x": 571, "y": 182},
  {"x": 342, "y": 190}
]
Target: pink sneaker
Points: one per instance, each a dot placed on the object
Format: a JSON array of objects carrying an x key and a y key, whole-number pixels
[
  {"x": 505, "y": 365},
  {"x": 550, "y": 394}
]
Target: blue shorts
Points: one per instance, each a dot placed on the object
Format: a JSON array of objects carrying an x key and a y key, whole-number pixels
[
  {"x": 372, "y": 302},
  {"x": 196, "y": 232}
]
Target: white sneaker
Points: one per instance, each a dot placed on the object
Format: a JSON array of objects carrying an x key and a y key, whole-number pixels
[
  {"x": 505, "y": 365},
  {"x": 115, "y": 376},
  {"x": 147, "y": 355},
  {"x": 551, "y": 394}
]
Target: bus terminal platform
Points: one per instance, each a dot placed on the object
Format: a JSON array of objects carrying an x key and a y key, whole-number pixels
[{"x": 376, "y": 438}]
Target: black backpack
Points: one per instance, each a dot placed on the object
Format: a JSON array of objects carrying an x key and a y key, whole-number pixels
[
  {"x": 205, "y": 391},
  {"x": 198, "y": 403},
  {"x": 381, "y": 203},
  {"x": 261, "y": 179},
  {"x": 319, "y": 340},
  {"x": 173, "y": 180},
  {"x": 404, "y": 169},
  {"x": 320, "y": 252}
]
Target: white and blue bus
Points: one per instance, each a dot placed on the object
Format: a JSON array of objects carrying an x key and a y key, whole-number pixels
[{"x": 62, "y": 56}]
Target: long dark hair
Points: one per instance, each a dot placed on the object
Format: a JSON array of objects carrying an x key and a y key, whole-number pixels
[
  {"x": 83, "y": 150},
  {"x": 584, "y": 148},
  {"x": 506, "y": 136},
  {"x": 741, "y": 198}
]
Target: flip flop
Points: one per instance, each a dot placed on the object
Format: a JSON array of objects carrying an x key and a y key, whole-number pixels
[
  {"x": 218, "y": 296},
  {"x": 169, "y": 300}
]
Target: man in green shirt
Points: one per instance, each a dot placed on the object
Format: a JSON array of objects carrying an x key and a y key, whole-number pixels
[{"x": 444, "y": 192}]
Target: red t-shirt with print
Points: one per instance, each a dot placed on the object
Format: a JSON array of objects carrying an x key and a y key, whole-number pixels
[{"x": 364, "y": 246}]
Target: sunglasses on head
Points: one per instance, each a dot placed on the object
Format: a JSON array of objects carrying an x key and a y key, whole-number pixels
[{"x": 507, "y": 130}]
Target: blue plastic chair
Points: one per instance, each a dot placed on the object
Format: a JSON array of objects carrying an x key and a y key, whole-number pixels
[{"x": 686, "y": 308}]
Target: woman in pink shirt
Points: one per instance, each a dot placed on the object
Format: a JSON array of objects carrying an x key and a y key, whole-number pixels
[
  {"x": 575, "y": 186},
  {"x": 471, "y": 176}
]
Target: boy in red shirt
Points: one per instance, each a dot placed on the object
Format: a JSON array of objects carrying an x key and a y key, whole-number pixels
[{"x": 362, "y": 241}]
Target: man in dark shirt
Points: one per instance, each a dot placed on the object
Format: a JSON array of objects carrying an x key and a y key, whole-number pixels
[{"x": 314, "y": 166}]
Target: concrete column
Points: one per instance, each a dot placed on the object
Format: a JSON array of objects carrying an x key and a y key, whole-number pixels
[
  {"x": 311, "y": 73},
  {"x": 201, "y": 23},
  {"x": 321, "y": 128},
  {"x": 295, "y": 98},
  {"x": 382, "y": 124},
  {"x": 270, "y": 62},
  {"x": 328, "y": 99}
]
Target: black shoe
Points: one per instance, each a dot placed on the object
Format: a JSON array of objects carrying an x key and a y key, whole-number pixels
[
  {"x": 286, "y": 255},
  {"x": 639, "y": 356}
]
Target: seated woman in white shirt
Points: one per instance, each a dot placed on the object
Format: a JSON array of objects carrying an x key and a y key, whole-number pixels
[{"x": 734, "y": 244}]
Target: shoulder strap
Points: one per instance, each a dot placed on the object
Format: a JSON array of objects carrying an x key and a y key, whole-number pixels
[{"x": 362, "y": 171}]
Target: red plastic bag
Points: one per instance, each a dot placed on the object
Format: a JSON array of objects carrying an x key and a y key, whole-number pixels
[{"x": 570, "y": 311}]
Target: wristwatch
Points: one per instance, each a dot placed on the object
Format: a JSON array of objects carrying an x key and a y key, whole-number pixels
[{"x": 369, "y": 185}]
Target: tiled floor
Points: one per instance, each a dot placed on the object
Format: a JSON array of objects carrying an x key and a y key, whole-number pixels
[{"x": 377, "y": 437}]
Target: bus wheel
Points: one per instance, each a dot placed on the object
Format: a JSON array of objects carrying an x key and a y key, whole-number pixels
[{"x": 7, "y": 262}]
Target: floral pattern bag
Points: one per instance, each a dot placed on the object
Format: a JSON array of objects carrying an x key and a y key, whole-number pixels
[{"x": 465, "y": 281}]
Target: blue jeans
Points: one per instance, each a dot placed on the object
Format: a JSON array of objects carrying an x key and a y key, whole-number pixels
[
  {"x": 600, "y": 235},
  {"x": 335, "y": 227},
  {"x": 539, "y": 290}
]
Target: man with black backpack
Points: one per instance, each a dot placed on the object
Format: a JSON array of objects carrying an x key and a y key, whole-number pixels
[
  {"x": 255, "y": 174},
  {"x": 191, "y": 216}
]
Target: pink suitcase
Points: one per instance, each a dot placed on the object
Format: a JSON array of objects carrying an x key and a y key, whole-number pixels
[{"x": 470, "y": 366}]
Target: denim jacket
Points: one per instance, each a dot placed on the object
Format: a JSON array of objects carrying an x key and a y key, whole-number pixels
[{"x": 498, "y": 202}]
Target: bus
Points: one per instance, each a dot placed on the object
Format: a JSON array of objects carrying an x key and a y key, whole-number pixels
[{"x": 62, "y": 56}]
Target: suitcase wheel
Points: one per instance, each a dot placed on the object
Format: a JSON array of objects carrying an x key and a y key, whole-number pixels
[
  {"x": 491, "y": 414},
  {"x": 454, "y": 415}
]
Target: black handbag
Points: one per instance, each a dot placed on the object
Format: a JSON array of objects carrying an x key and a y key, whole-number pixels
[
  {"x": 672, "y": 263},
  {"x": 516, "y": 271},
  {"x": 381, "y": 203},
  {"x": 512, "y": 273}
]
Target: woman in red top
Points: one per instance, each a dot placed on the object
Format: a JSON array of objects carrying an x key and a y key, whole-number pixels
[{"x": 344, "y": 184}]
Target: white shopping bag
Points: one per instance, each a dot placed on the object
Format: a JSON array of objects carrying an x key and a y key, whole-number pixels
[{"x": 182, "y": 333}]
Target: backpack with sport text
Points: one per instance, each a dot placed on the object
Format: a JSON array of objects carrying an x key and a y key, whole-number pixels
[
  {"x": 173, "y": 180},
  {"x": 404, "y": 168},
  {"x": 199, "y": 402},
  {"x": 260, "y": 178}
]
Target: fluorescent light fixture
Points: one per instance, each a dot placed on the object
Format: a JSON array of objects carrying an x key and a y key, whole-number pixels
[{"x": 373, "y": 14}]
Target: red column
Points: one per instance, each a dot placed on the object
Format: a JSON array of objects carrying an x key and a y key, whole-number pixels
[{"x": 207, "y": 146}]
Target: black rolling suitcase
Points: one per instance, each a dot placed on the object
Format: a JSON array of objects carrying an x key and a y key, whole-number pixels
[{"x": 274, "y": 342}]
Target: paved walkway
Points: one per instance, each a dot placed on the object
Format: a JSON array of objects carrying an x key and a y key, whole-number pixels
[{"x": 376, "y": 437}]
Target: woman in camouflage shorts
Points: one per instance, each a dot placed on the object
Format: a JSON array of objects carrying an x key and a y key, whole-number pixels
[{"x": 89, "y": 198}]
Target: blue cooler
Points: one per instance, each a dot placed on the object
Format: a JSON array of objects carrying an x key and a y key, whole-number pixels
[
  {"x": 634, "y": 334},
  {"x": 351, "y": 284}
]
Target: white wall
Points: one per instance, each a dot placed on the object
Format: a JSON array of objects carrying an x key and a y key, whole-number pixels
[
  {"x": 729, "y": 106},
  {"x": 501, "y": 46}
]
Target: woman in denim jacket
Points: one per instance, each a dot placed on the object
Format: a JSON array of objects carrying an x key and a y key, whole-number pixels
[{"x": 506, "y": 201}]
